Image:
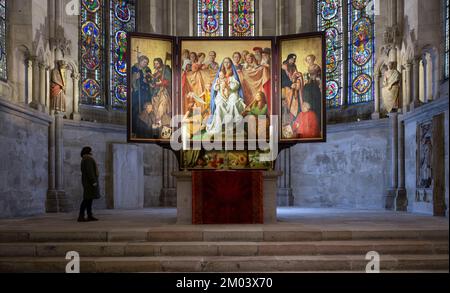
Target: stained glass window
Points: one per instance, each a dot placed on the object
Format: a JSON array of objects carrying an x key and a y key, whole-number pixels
[
  {"x": 122, "y": 20},
  {"x": 210, "y": 18},
  {"x": 446, "y": 40},
  {"x": 92, "y": 53},
  {"x": 360, "y": 50},
  {"x": 329, "y": 19},
  {"x": 241, "y": 21},
  {"x": 3, "y": 37}
]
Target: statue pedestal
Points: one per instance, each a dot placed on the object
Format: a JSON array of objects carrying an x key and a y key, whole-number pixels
[{"x": 184, "y": 196}]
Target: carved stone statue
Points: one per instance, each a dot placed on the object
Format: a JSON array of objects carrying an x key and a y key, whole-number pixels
[
  {"x": 58, "y": 87},
  {"x": 391, "y": 88}
]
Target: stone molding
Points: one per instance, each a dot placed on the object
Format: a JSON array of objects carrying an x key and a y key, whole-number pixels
[
  {"x": 95, "y": 126},
  {"x": 426, "y": 111},
  {"x": 25, "y": 112}
]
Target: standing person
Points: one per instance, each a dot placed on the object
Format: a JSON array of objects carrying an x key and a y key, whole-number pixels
[{"x": 89, "y": 177}]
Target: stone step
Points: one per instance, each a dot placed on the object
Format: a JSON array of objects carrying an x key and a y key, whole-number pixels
[
  {"x": 119, "y": 249},
  {"x": 227, "y": 264},
  {"x": 169, "y": 234}
]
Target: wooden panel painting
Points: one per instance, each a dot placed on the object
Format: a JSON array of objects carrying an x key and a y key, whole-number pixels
[
  {"x": 223, "y": 160},
  {"x": 302, "y": 88},
  {"x": 150, "y": 89},
  {"x": 224, "y": 77}
]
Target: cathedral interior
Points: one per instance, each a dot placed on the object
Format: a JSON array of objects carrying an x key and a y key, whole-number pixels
[{"x": 378, "y": 182}]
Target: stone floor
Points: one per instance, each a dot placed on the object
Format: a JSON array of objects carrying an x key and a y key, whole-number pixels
[
  {"x": 303, "y": 240},
  {"x": 305, "y": 218}
]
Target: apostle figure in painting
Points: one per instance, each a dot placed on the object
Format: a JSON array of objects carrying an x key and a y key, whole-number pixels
[
  {"x": 141, "y": 92},
  {"x": 212, "y": 64},
  {"x": 193, "y": 58},
  {"x": 250, "y": 62},
  {"x": 257, "y": 51},
  {"x": 162, "y": 84},
  {"x": 258, "y": 108},
  {"x": 244, "y": 57},
  {"x": 289, "y": 68},
  {"x": 227, "y": 102},
  {"x": 256, "y": 78},
  {"x": 391, "y": 88},
  {"x": 265, "y": 61},
  {"x": 290, "y": 89},
  {"x": 185, "y": 61},
  {"x": 312, "y": 93},
  {"x": 58, "y": 87},
  {"x": 200, "y": 64},
  {"x": 237, "y": 61}
]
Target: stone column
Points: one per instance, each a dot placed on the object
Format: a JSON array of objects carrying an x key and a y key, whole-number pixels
[
  {"x": 280, "y": 17},
  {"x": 76, "y": 96},
  {"x": 35, "y": 99},
  {"x": 285, "y": 197},
  {"x": 191, "y": 18},
  {"x": 425, "y": 79},
  {"x": 392, "y": 191},
  {"x": 63, "y": 203},
  {"x": 42, "y": 88},
  {"x": 47, "y": 89},
  {"x": 51, "y": 203},
  {"x": 29, "y": 85},
  {"x": 168, "y": 196},
  {"x": 401, "y": 200},
  {"x": 408, "y": 88},
  {"x": 393, "y": 12},
  {"x": 376, "y": 112},
  {"x": 416, "y": 80}
]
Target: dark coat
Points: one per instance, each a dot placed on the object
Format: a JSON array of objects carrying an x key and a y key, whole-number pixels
[{"x": 89, "y": 177}]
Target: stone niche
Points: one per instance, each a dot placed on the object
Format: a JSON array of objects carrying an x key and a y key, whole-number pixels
[{"x": 430, "y": 168}]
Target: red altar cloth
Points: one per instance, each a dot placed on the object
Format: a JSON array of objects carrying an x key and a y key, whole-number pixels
[{"x": 227, "y": 197}]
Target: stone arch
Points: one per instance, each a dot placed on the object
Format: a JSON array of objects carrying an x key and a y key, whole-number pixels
[{"x": 430, "y": 59}]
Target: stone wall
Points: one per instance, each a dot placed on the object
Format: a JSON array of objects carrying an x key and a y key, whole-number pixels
[
  {"x": 24, "y": 163},
  {"x": 349, "y": 171},
  {"x": 101, "y": 137}
]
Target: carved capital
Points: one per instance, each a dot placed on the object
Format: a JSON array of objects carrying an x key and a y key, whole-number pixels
[{"x": 76, "y": 76}]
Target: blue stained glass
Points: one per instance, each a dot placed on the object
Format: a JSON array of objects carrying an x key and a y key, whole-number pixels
[
  {"x": 360, "y": 51},
  {"x": 122, "y": 21},
  {"x": 329, "y": 19},
  {"x": 210, "y": 18},
  {"x": 92, "y": 67}
]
